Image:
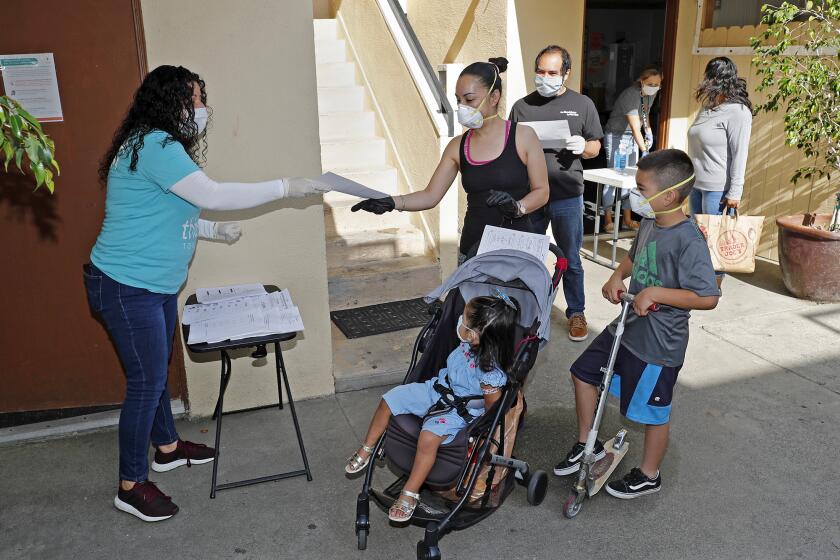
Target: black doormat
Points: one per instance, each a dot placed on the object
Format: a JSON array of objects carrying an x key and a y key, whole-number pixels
[{"x": 381, "y": 318}]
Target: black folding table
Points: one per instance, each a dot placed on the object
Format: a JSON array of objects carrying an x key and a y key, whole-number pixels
[{"x": 260, "y": 343}]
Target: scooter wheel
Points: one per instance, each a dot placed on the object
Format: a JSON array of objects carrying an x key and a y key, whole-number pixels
[
  {"x": 361, "y": 535},
  {"x": 537, "y": 488},
  {"x": 573, "y": 504}
]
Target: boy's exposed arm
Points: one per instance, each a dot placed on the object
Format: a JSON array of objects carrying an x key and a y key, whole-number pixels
[
  {"x": 684, "y": 299},
  {"x": 615, "y": 285}
]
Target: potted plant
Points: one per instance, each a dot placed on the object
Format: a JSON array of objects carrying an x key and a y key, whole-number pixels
[
  {"x": 23, "y": 142},
  {"x": 807, "y": 86}
]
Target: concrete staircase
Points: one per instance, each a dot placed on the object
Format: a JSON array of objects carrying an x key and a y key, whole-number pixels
[{"x": 371, "y": 259}]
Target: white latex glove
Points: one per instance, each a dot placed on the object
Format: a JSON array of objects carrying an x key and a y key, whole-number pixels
[
  {"x": 299, "y": 187},
  {"x": 576, "y": 144},
  {"x": 229, "y": 232}
]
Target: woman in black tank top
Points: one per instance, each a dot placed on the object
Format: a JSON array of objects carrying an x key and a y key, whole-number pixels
[{"x": 502, "y": 165}]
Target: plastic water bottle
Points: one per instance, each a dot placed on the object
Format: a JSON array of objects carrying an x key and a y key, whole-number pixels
[{"x": 621, "y": 158}]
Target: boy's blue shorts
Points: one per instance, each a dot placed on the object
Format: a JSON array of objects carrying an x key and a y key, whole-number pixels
[{"x": 645, "y": 390}]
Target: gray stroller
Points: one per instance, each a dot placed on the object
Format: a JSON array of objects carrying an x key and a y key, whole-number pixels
[{"x": 474, "y": 473}]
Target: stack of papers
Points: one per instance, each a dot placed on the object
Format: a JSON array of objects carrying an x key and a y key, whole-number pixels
[{"x": 237, "y": 312}]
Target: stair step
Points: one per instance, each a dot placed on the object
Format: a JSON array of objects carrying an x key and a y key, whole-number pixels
[
  {"x": 355, "y": 153},
  {"x": 325, "y": 29},
  {"x": 372, "y": 361},
  {"x": 341, "y": 99},
  {"x": 355, "y": 285},
  {"x": 330, "y": 50},
  {"x": 347, "y": 124},
  {"x": 374, "y": 245},
  {"x": 335, "y": 74},
  {"x": 339, "y": 220}
]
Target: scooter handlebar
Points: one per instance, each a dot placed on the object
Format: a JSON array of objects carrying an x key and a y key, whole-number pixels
[{"x": 629, "y": 298}]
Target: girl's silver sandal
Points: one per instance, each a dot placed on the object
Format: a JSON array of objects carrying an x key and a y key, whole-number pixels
[{"x": 357, "y": 463}]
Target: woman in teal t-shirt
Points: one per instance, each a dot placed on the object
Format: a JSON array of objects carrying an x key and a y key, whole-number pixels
[{"x": 155, "y": 192}]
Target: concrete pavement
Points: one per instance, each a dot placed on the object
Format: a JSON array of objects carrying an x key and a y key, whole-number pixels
[{"x": 752, "y": 469}]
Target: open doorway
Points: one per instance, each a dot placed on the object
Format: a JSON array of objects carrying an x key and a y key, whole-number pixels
[{"x": 621, "y": 37}]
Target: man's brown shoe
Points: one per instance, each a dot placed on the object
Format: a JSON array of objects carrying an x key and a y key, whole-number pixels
[{"x": 577, "y": 327}]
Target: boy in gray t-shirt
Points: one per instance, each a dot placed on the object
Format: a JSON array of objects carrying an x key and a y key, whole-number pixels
[{"x": 669, "y": 267}]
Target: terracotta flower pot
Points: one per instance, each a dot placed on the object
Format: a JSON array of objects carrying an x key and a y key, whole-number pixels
[{"x": 809, "y": 258}]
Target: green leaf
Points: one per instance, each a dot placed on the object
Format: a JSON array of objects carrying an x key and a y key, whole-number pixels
[
  {"x": 40, "y": 173},
  {"x": 16, "y": 124},
  {"x": 19, "y": 158}
]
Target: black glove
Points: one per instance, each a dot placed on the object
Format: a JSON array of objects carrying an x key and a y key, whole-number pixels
[
  {"x": 375, "y": 205},
  {"x": 506, "y": 203}
]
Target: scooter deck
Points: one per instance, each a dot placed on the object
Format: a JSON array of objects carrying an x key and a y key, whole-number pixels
[{"x": 602, "y": 469}]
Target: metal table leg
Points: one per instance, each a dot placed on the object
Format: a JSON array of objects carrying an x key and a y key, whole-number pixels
[
  {"x": 281, "y": 366},
  {"x": 616, "y": 223},
  {"x": 597, "y": 222},
  {"x": 225, "y": 378}
]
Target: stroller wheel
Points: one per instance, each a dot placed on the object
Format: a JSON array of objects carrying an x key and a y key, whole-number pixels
[
  {"x": 361, "y": 535},
  {"x": 537, "y": 487},
  {"x": 425, "y": 552},
  {"x": 573, "y": 504}
]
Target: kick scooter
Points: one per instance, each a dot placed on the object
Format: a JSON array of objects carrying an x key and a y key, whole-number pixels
[{"x": 593, "y": 474}]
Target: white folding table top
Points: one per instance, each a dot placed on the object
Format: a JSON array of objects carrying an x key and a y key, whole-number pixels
[{"x": 622, "y": 178}]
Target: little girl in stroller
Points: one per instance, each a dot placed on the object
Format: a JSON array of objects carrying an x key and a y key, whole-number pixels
[{"x": 470, "y": 383}]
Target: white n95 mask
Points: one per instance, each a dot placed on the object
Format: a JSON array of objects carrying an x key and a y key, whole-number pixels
[
  {"x": 470, "y": 117},
  {"x": 200, "y": 119},
  {"x": 548, "y": 86},
  {"x": 650, "y": 90},
  {"x": 642, "y": 207}
]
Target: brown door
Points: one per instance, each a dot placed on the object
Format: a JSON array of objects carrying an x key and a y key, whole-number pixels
[{"x": 53, "y": 353}]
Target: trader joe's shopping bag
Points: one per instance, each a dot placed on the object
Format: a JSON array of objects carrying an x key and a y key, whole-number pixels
[{"x": 732, "y": 240}]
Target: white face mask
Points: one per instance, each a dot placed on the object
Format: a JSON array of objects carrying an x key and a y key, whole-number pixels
[
  {"x": 650, "y": 90},
  {"x": 548, "y": 86},
  {"x": 458, "y": 329},
  {"x": 642, "y": 207},
  {"x": 470, "y": 117},
  {"x": 200, "y": 118}
]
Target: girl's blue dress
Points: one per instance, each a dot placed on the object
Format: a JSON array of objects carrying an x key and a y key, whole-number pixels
[{"x": 463, "y": 376}]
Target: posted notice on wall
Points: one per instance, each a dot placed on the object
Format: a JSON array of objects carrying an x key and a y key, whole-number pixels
[{"x": 30, "y": 80}]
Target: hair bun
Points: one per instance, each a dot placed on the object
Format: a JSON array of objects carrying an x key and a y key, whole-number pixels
[{"x": 500, "y": 62}]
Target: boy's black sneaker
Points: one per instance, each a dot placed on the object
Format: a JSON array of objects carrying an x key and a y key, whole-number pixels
[
  {"x": 571, "y": 464},
  {"x": 185, "y": 453},
  {"x": 145, "y": 501},
  {"x": 634, "y": 484}
]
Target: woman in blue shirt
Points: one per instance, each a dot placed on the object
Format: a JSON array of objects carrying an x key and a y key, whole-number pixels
[{"x": 155, "y": 192}]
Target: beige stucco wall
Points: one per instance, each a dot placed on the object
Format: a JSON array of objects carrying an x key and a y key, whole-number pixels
[
  {"x": 415, "y": 149},
  {"x": 265, "y": 125}
]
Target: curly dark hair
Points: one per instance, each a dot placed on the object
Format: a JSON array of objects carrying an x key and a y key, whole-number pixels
[
  {"x": 721, "y": 81},
  {"x": 164, "y": 101},
  {"x": 496, "y": 322}
]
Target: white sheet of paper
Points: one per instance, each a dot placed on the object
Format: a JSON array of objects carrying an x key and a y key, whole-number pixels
[
  {"x": 250, "y": 323},
  {"x": 495, "y": 238},
  {"x": 205, "y": 311},
  {"x": 30, "y": 80},
  {"x": 346, "y": 186},
  {"x": 552, "y": 134},
  {"x": 225, "y": 293}
]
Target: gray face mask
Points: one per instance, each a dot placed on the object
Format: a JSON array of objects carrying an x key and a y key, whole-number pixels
[
  {"x": 200, "y": 118},
  {"x": 458, "y": 329},
  {"x": 549, "y": 86}
]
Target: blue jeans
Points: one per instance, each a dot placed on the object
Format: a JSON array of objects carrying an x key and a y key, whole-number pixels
[
  {"x": 566, "y": 217},
  {"x": 142, "y": 327}
]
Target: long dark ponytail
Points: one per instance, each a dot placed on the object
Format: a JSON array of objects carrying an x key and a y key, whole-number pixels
[
  {"x": 496, "y": 322},
  {"x": 164, "y": 101}
]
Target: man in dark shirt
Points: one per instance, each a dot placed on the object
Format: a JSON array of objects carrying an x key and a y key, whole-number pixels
[{"x": 553, "y": 101}]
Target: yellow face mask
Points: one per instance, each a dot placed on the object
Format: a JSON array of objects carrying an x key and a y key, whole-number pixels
[{"x": 642, "y": 207}]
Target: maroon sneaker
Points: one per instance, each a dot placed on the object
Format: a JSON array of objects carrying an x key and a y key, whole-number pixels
[
  {"x": 145, "y": 501},
  {"x": 186, "y": 453}
]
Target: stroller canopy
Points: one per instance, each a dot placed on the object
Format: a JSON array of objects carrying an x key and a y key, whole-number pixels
[{"x": 521, "y": 275}]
